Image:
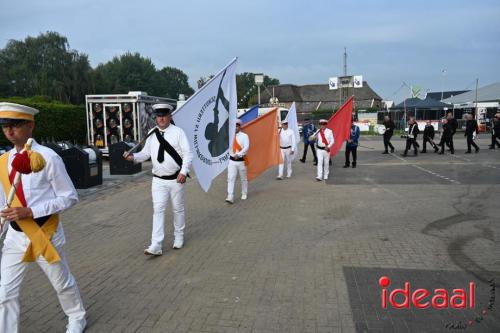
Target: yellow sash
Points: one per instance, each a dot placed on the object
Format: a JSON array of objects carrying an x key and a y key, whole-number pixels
[{"x": 39, "y": 236}]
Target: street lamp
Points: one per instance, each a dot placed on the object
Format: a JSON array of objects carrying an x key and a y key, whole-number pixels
[
  {"x": 259, "y": 80},
  {"x": 443, "y": 72}
]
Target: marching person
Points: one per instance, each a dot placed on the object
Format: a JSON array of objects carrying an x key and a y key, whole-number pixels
[
  {"x": 34, "y": 233},
  {"x": 389, "y": 131},
  {"x": 412, "y": 137},
  {"x": 452, "y": 122},
  {"x": 324, "y": 143},
  {"x": 237, "y": 163},
  {"x": 495, "y": 131},
  {"x": 351, "y": 146},
  {"x": 446, "y": 136},
  {"x": 471, "y": 130},
  {"x": 171, "y": 156},
  {"x": 307, "y": 131},
  {"x": 429, "y": 137},
  {"x": 287, "y": 146}
]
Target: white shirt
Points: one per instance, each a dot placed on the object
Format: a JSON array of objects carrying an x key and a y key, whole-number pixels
[
  {"x": 49, "y": 191},
  {"x": 244, "y": 142},
  {"x": 178, "y": 140},
  {"x": 287, "y": 138},
  {"x": 329, "y": 138}
]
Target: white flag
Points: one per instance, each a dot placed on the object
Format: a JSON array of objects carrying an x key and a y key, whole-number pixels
[
  {"x": 209, "y": 120},
  {"x": 358, "y": 81},
  {"x": 333, "y": 83},
  {"x": 293, "y": 124}
]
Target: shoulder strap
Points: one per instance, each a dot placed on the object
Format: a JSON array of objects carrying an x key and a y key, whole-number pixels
[{"x": 168, "y": 148}]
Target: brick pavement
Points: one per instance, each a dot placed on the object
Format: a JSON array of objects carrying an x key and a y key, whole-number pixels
[{"x": 276, "y": 262}]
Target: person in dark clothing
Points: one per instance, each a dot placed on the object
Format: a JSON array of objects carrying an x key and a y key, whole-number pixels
[
  {"x": 452, "y": 122},
  {"x": 411, "y": 139},
  {"x": 389, "y": 131},
  {"x": 495, "y": 131},
  {"x": 471, "y": 129},
  {"x": 351, "y": 146},
  {"x": 307, "y": 131},
  {"x": 429, "y": 137},
  {"x": 445, "y": 136}
]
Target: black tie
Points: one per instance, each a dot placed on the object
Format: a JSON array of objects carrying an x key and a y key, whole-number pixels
[{"x": 161, "y": 151}]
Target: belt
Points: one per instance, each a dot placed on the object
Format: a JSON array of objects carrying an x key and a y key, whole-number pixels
[
  {"x": 237, "y": 159},
  {"x": 286, "y": 147},
  {"x": 40, "y": 221},
  {"x": 322, "y": 148},
  {"x": 171, "y": 177}
]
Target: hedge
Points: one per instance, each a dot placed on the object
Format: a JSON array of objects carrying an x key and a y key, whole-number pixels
[{"x": 56, "y": 120}]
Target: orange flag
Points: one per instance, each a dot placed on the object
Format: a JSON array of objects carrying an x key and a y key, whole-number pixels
[{"x": 264, "y": 149}]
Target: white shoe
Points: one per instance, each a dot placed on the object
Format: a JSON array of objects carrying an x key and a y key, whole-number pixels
[
  {"x": 244, "y": 196},
  {"x": 229, "y": 200},
  {"x": 76, "y": 326},
  {"x": 151, "y": 251},
  {"x": 178, "y": 243},
  {"x": 289, "y": 176},
  {"x": 279, "y": 178},
  {"x": 318, "y": 179}
]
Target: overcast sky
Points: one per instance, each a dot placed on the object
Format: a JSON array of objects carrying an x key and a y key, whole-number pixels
[{"x": 298, "y": 42}]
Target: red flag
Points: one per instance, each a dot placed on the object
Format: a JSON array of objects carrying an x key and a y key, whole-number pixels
[{"x": 340, "y": 123}]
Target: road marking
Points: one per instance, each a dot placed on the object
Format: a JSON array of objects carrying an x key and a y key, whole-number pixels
[{"x": 416, "y": 166}]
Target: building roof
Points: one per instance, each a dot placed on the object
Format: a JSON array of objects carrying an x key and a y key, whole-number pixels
[
  {"x": 489, "y": 93},
  {"x": 429, "y": 103},
  {"x": 409, "y": 103},
  {"x": 315, "y": 93},
  {"x": 436, "y": 95}
]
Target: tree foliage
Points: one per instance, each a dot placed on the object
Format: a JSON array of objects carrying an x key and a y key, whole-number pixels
[{"x": 247, "y": 90}]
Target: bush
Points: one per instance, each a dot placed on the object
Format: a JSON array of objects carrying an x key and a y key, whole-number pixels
[{"x": 56, "y": 120}]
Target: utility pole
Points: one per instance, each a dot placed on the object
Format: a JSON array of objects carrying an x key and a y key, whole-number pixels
[{"x": 477, "y": 111}]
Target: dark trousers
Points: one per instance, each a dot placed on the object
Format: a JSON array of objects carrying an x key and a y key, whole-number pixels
[
  {"x": 306, "y": 145},
  {"x": 494, "y": 141},
  {"x": 411, "y": 142},
  {"x": 431, "y": 142},
  {"x": 449, "y": 143},
  {"x": 387, "y": 142},
  {"x": 349, "y": 151},
  {"x": 470, "y": 142}
]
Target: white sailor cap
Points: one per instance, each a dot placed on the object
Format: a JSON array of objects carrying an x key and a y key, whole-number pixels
[
  {"x": 238, "y": 122},
  {"x": 323, "y": 121},
  {"x": 15, "y": 113},
  {"x": 162, "y": 109}
]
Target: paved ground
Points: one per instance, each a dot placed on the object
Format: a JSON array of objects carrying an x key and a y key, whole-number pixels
[{"x": 297, "y": 256}]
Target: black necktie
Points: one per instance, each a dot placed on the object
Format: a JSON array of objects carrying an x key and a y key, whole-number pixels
[{"x": 161, "y": 151}]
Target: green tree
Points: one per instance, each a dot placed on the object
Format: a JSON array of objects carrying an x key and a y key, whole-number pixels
[
  {"x": 44, "y": 65},
  {"x": 170, "y": 82},
  {"x": 247, "y": 90},
  {"x": 128, "y": 72}
]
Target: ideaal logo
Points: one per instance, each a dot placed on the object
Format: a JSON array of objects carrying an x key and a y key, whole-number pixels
[
  {"x": 217, "y": 138},
  {"x": 440, "y": 298}
]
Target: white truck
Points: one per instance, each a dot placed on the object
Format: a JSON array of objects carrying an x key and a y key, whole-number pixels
[{"x": 120, "y": 117}]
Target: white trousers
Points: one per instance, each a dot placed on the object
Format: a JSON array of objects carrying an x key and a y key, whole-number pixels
[
  {"x": 12, "y": 273},
  {"x": 162, "y": 190},
  {"x": 323, "y": 163},
  {"x": 286, "y": 155},
  {"x": 232, "y": 171}
]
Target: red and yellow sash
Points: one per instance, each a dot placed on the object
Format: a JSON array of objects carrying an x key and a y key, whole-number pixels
[{"x": 39, "y": 237}]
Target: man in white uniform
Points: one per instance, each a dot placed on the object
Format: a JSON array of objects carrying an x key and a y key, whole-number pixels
[
  {"x": 171, "y": 156},
  {"x": 287, "y": 145},
  {"x": 324, "y": 143},
  {"x": 34, "y": 231},
  {"x": 237, "y": 153}
]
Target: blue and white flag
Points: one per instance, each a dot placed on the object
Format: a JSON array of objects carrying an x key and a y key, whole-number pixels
[
  {"x": 293, "y": 124},
  {"x": 250, "y": 115},
  {"x": 209, "y": 120}
]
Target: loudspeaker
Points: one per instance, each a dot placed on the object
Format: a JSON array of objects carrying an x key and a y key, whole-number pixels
[
  {"x": 84, "y": 166},
  {"x": 117, "y": 164}
]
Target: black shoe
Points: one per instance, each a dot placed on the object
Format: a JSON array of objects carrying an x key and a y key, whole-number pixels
[
  {"x": 315, "y": 163},
  {"x": 423, "y": 152},
  {"x": 385, "y": 152},
  {"x": 302, "y": 160},
  {"x": 330, "y": 163},
  {"x": 392, "y": 150},
  {"x": 441, "y": 153},
  {"x": 404, "y": 155},
  {"x": 491, "y": 147},
  {"x": 354, "y": 165},
  {"x": 477, "y": 150},
  {"x": 436, "y": 149},
  {"x": 467, "y": 152},
  {"x": 346, "y": 166},
  {"x": 452, "y": 152}
]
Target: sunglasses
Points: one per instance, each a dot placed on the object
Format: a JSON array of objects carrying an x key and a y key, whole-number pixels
[{"x": 14, "y": 125}]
